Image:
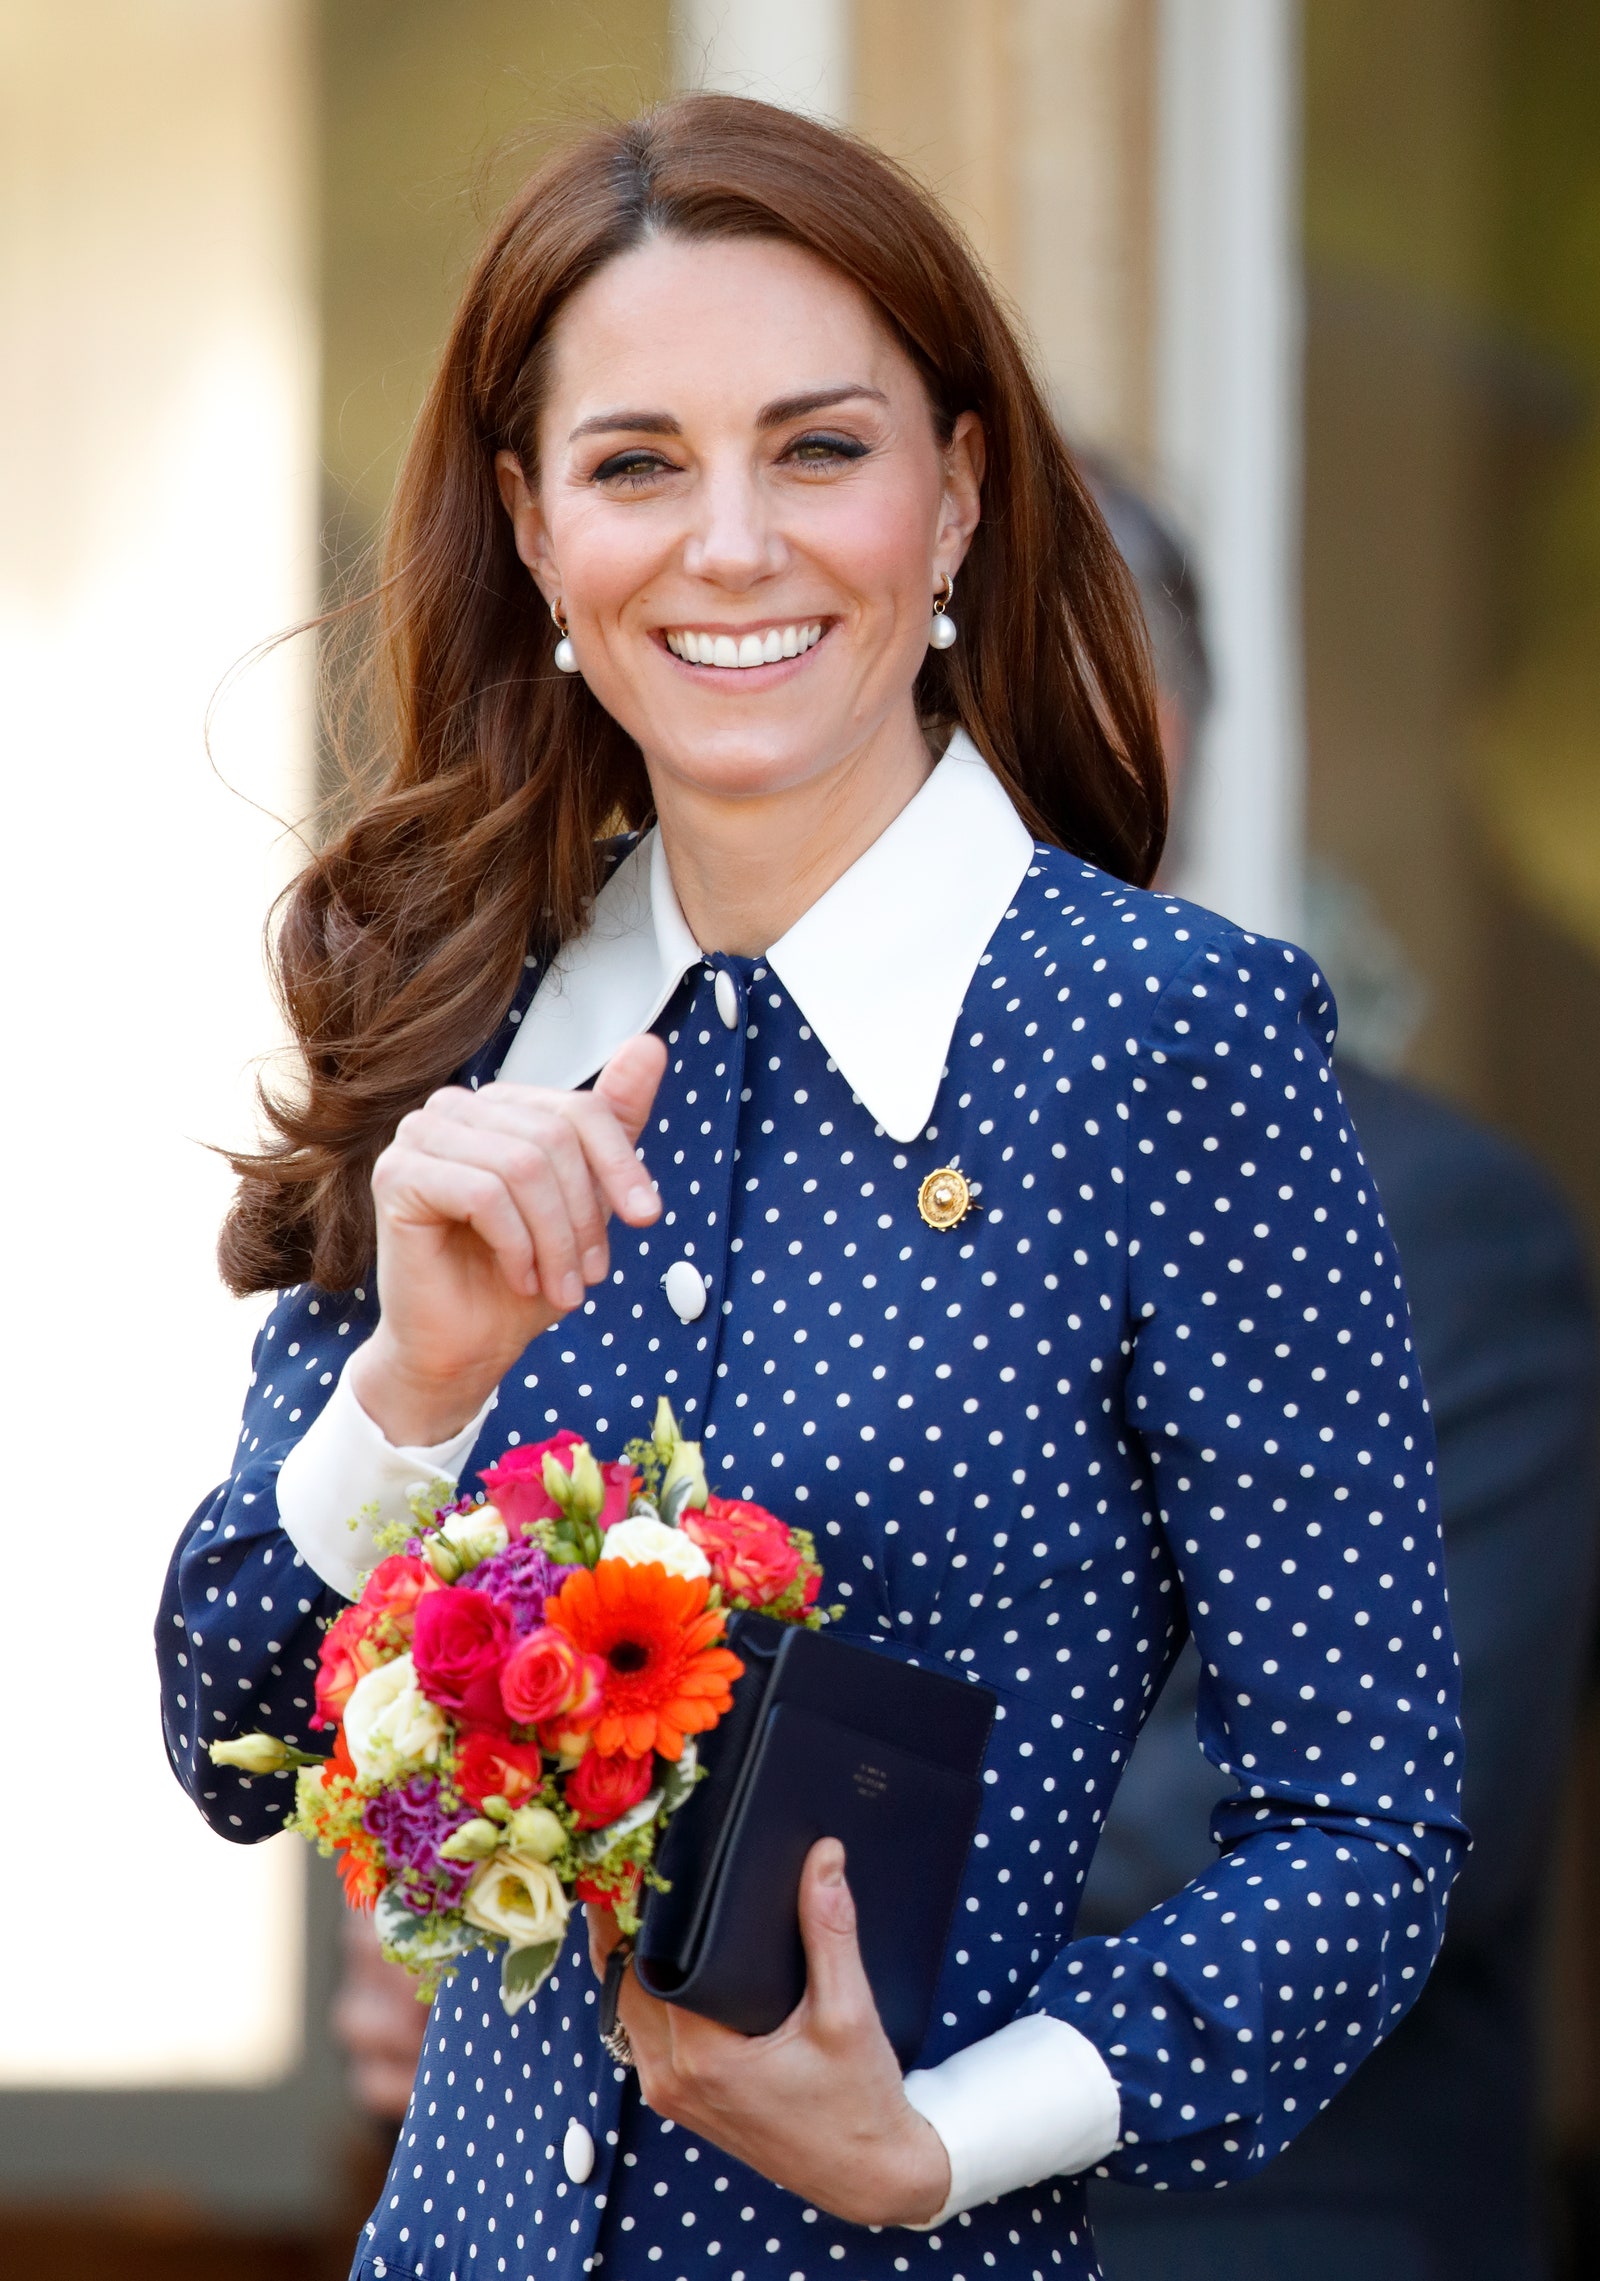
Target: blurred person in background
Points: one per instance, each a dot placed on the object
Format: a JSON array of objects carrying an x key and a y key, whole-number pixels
[{"x": 1427, "y": 2164}]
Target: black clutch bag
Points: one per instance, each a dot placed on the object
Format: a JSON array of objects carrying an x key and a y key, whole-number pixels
[{"x": 825, "y": 1739}]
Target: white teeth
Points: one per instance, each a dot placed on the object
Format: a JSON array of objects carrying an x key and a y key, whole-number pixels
[{"x": 764, "y": 648}]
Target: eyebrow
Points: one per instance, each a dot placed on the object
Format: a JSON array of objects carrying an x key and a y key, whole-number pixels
[{"x": 774, "y": 415}]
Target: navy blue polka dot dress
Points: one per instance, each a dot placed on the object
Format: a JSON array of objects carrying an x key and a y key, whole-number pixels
[{"x": 1159, "y": 1379}]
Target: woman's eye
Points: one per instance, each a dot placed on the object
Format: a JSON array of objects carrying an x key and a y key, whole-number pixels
[
  {"x": 822, "y": 450},
  {"x": 629, "y": 467}
]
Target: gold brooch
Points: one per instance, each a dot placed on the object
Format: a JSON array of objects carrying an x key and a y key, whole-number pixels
[{"x": 944, "y": 1197}]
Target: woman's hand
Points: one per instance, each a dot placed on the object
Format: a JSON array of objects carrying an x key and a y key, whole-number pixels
[
  {"x": 817, "y": 2106},
  {"x": 492, "y": 1211}
]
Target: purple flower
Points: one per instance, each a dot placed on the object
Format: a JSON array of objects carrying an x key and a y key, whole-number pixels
[
  {"x": 522, "y": 1579},
  {"x": 411, "y": 1825}
]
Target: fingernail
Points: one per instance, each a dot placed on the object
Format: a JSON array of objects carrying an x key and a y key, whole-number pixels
[
  {"x": 832, "y": 1870},
  {"x": 643, "y": 1202},
  {"x": 594, "y": 1265},
  {"x": 571, "y": 1290}
]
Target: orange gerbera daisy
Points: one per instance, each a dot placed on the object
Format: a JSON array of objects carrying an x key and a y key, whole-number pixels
[{"x": 665, "y": 1676}]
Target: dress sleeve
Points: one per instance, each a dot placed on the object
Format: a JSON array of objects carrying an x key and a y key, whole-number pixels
[
  {"x": 242, "y": 1613},
  {"x": 1271, "y": 1384}
]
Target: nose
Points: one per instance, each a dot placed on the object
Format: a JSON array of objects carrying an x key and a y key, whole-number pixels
[{"x": 733, "y": 542}]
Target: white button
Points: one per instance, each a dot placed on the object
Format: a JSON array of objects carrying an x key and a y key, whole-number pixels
[
  {"x": 686, "y": 1291},
  {"x": 577, "y": 2152},
  {"x": 727, "y": 997}
]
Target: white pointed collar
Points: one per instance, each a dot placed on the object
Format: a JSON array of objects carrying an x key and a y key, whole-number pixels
[{"x": 879, "y": 965}]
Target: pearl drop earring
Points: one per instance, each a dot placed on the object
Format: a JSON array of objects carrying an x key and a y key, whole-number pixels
[
  {"x": 566, "y": 655},
  {"x": 942, "y": 630}
]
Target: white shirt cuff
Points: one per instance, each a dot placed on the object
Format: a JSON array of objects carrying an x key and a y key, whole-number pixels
[
  {"x": 1034, "y": 2100},
  {"x": 343, "y": 1462}
]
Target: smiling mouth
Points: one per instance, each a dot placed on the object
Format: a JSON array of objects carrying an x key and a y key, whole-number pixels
[{"x": 737, "y": 653}]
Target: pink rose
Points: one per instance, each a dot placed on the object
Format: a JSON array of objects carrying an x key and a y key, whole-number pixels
[
  {"x": 600, "y": 1789},
  {"x": 548, "y": 1677},
  {"x": 517, "y": 1491},
  {"x": 749, "y": 1549},
  {"x": 458, "y": 1647}
]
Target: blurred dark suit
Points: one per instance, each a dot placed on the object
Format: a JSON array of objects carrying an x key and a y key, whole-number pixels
[{"x": 1424, "y": 2167}]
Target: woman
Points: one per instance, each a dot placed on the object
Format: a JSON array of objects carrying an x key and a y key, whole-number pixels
[{"x": 727, "y": 398}]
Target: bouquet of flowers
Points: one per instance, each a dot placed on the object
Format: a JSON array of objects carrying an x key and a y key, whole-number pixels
[{"x": 514, "y": 1697}]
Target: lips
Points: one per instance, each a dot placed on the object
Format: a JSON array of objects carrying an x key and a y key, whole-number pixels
[{"x": 736, "y": 653}]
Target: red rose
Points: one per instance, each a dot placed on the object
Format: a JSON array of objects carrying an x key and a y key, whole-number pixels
[
  {"x": 546, "y": 1676},
  {"x": 348, "y": 1653},
  {"x": 517, "y": 1491},
  {"x": 600, "y": 1789},
  {"x": 750, "y": 1551},
  {"x": 459, "y": 1644},
  {"x": 491, "y": 1766}
]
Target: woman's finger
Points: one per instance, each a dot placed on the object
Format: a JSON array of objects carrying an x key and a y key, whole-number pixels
[
  {"x": 649, "y": 2025},
  {"x": 533, "y": 1179},
  {"x": 629, "y": 1081},
  {"x": 604, "y": 1934},
  {"x": 542, "y": 1120},
  {"x": 607, "y": 1121},
  {"x": 409, "y": 1185},
  {"x": 838, "y": 1994}
]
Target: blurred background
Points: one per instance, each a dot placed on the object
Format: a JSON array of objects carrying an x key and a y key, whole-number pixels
[{"x": 1323, "y": 280}]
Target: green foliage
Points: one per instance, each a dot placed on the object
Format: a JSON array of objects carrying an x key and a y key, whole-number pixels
[
  {"x": 524, "y": 1971},
  {"x": 571, "y": 1537},
  {"x": 427, "y": 1946}
]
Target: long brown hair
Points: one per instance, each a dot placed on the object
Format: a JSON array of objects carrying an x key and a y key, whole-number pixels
[{"x": 399, "y": 946}]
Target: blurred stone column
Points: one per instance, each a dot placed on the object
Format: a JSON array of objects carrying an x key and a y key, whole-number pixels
[
  {"x": 1228, "y": 422},
  {"x": 795, "y": 52}
]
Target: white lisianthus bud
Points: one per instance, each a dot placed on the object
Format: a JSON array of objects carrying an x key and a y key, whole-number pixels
[
  {"x": 577, "y": 1485},
  {"x": 664, "y": 1433},
  {"x": 641, "y": 1540},
  {"x": 519, "y": 1898},
  {"x": 252, "y": 1754},
  {"x": 473, "y": 1841},
  {"x": 477, "y": 1534},
  {"x": 390, "y": 1726},
  {"x": 684, "y": 1482},
  {"x": 535, "y": 1832}
]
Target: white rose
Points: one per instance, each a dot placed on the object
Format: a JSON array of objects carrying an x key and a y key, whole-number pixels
[
  {"x": 477, "y": 1534},
  {"x": 519, "y": 1898},
  {"x": 642, "y": 1539},
  {"x": 389, "y": 1724}
]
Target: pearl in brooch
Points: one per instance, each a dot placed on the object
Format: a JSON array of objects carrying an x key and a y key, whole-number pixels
[{"x": 945, "y": 1198}]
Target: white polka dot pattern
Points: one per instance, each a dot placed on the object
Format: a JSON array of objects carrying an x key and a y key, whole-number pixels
[{"x": 1161, "y": 1376}]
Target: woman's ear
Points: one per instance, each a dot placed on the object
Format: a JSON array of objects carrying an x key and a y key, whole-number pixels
[
  {"x": 962, "y": 505},
  {"x": 521, "y": 503}
]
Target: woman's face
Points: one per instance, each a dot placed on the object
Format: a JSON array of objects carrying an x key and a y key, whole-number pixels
[{"x": 737, "y": 460}]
